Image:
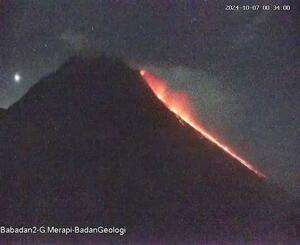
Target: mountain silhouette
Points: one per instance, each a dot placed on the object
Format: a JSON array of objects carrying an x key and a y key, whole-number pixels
[{"x": 91, "y": 145}]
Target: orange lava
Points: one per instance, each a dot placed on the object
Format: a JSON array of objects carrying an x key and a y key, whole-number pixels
[{"x": 179, "y": 103}]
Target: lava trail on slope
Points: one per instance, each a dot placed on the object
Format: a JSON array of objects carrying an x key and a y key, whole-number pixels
[{"x": 180, "y": 104}]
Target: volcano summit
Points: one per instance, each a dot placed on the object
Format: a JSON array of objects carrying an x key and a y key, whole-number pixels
[{"x": 92, "y": 145}]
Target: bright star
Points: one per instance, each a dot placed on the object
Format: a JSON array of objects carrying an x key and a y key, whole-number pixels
[{"x": 17, "y": 78}]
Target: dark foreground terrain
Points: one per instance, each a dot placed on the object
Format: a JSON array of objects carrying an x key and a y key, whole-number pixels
[{"x": 91, "y": 145}]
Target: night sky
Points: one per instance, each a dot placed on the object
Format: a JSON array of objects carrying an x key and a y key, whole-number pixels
[{"x": 239, "y": 67}]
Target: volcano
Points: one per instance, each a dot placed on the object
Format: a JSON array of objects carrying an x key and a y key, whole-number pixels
[{"x": 91, "y": 145}]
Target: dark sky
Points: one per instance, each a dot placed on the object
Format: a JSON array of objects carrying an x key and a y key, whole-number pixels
[{"x": 239, "y": 67}]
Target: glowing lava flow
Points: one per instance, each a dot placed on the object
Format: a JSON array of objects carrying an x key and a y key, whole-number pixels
[{"x": 179, "y": 103}]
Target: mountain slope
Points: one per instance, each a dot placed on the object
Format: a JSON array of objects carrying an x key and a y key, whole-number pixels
[{"x": 91, "y": 144}]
